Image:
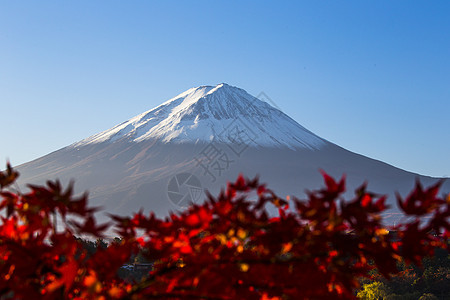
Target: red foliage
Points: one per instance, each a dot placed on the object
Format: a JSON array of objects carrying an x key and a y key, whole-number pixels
[{"x": 227, "y": 248}]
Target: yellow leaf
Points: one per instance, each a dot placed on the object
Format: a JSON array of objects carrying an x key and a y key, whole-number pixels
[
  {"x": 115, "y": 292},
  {"x": 244, "y": 267},
  {"x": 381, "y": 231},
  {"x": 222, "y": 238},
  {"x": 242, "y": 234}
]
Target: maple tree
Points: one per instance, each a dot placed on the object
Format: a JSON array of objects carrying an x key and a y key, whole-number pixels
[{"x": 229, "y": 247}]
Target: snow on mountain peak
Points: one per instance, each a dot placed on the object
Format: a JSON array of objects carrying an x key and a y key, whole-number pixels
[{"x": 209, "y": 113}]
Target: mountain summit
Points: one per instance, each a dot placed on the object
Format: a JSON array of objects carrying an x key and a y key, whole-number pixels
[{"x": 204, "y": 113}]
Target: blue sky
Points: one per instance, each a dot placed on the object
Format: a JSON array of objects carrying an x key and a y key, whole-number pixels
[{"x": 370, "y": 76}]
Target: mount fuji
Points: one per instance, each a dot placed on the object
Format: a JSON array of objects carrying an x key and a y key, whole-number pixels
[{"x": 166, "y": 157}]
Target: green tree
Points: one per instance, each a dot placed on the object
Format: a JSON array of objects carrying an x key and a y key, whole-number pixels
[
  {"x": 373, "y": 291},
  {"x": 428, "y": 296}
]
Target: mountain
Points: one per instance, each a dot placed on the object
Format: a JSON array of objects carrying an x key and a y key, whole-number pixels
[{"x": 166, "y": 157}]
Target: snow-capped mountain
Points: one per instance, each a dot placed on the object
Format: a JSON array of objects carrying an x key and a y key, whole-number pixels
[
  {"x": 166, "y": 157},
  {"x": 203, "y": 113}
]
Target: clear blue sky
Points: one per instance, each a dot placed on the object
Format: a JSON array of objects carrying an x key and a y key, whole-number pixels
[{"x": 370, "y": 76}]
